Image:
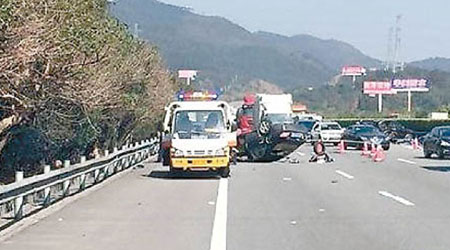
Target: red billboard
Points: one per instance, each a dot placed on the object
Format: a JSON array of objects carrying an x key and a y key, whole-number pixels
[
  {"x": 378, "y": 87},
  {"x": 187, "y": 74},
  {"x": 415, "y": 85},
  {"x": 353, "y": 71}
]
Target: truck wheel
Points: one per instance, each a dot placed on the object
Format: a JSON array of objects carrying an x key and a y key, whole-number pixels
[
  {"x": 175, "y": 171},
  {"x": 225, "y": 172},
  {"x": 165, "y": 158}
]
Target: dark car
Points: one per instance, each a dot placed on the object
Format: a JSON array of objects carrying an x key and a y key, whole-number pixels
[
  {"x": 396, "y": 131},
  {"x": 306, "y": 126},
  {"x": 276, "y": 137},
  {"x": 437, "y": 142},
  {"x": 356, "y": 135}
]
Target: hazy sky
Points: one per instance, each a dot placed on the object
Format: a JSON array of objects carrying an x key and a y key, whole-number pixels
[{"x": 364, "y": 24}]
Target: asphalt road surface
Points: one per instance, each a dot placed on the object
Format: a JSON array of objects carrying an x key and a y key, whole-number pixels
[{"x": 353, "y": 203}]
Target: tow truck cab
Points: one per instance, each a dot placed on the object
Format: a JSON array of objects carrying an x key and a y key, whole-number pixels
[{"x": 197, "y": 135}]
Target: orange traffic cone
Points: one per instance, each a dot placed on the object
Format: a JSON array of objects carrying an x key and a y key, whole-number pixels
[
  {"x": 415, "y": 144},
  {"x": 365, "y": 151},
  {"x": 379, "y": 156},
  {"x": 373, "y": 150},
  {"x": 341, "y": 147}
]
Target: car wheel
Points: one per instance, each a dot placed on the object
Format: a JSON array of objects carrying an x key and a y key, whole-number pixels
[
  {"x": 409, "y": 137},
  {"x": 440, "y": 154},
  {"x": 386, "y": 147},
  {"x": 427, "y": 153}
]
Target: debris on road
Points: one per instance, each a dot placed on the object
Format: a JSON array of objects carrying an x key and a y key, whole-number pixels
[
  {"x": 293, "y": 223},
  {"x": 294, "y": 161}
]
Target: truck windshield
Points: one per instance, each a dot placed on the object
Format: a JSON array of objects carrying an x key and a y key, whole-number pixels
[{"x": 199, "y": 124}]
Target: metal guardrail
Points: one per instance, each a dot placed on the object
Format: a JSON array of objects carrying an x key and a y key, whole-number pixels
[{"x": 27, "y": 195}]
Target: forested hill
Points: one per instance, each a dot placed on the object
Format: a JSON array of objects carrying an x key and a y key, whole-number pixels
[
  {"x": 435, "y": 63},
  {"x": 226, "y": 52}
]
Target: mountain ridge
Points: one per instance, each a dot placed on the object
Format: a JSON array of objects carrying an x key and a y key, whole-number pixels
[{"x": 224, "y": 51}]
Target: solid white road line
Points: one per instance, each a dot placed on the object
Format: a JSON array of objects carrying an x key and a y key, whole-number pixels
[
  {"x": 396, "y": 198},
  {"x": 406, "y": 161},
  {"x": 219, "y": 233},
  {"x": 350, "y": 177}
]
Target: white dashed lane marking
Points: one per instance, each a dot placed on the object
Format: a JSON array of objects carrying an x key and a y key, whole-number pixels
[
  {"x": 396, "y": 198},
  {"x": 342, "y": 173},
  {"x": 406, "y": 161}
]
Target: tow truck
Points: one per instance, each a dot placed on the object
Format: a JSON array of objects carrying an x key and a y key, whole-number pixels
[{"x": 198, "y": 134}]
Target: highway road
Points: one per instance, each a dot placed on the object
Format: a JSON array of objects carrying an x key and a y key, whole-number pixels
[{"x": 352, "y": 203}]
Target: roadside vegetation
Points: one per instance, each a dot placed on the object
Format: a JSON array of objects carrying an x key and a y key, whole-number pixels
[{"x": 72, "y": 79}]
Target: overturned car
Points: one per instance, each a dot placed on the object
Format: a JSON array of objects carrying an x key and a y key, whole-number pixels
[{"x": 267, "y": 129}]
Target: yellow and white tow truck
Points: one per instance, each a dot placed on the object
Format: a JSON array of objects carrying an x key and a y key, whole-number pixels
[{"x": 198, "y": 134}]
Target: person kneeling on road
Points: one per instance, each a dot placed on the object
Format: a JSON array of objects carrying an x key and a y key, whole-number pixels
[{"x": 319, "y": 152}]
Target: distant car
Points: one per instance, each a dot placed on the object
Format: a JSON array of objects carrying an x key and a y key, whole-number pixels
[
  {"x": 437, "y": 142},
  {"x": 356, "y": 135},
  {"x": 328, "y": 132},
  {"x": 306, "y": 126},
  {"x": 396, "y": 131}
]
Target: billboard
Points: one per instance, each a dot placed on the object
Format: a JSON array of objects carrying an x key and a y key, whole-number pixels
[
  {"x": 188, "y": 74},
  {"x": 353, "y": 71},
  {"x": 378, "y": 87},
  {"x": 414, "y": 85}
]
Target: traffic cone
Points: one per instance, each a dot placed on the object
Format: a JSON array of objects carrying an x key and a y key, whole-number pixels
[
  {"x": 415, "y": 144},
  {"x": 379, "y": 156},
  {"x": 365, "y": 151},
  {"x": 373, "y": 150},
  {"x": 341, "y": 147}
]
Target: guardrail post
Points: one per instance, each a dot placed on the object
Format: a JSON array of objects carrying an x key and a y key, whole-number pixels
[
  {"x": 82, "y": 176},
  {"x": 66, "y": 183},
  {"x": 47, "y": 170},
  {"x": 106, "y": 170},
  {"x": 96, "y": 174},
  {"x": 18, "y": 202}
]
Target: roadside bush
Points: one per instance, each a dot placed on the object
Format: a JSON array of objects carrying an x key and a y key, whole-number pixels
[{"x": 73, "y": 75}]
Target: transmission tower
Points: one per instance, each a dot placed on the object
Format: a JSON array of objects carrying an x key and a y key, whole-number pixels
[
  {"x": 397, "y": 64},
  {"x": 393, "y": 61},
  {"x": 390, "y": 57}
]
